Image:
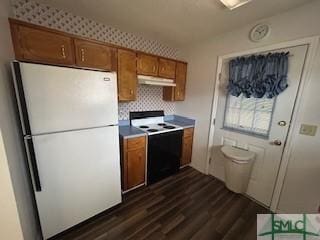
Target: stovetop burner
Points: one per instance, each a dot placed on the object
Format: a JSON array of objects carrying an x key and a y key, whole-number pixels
[
  {"x": 152, "y": 122},
  {"x": 169, "y": 127},
  {"x": 152, "y": 130}
]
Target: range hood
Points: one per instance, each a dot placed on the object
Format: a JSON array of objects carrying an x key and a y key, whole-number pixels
[{"x": 148, "y": 80}]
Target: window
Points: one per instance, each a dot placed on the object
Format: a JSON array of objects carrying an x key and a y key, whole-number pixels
[{"x": 249, "y": 115}]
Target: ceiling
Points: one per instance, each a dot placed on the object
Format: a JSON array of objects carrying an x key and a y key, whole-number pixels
[{"x": 174, "y": 22}]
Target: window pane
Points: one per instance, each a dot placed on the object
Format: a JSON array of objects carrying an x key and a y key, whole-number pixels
[
  {"x": 232, "y": 117},
  {"x": 246, "y": 118},
  {"x": 262, "y": 122},
  {"x": 234, "y": 102},
  {"x": 264, "y": 104},
  {"x": 251, "y": 115},
  {"x": 248, "y": 104}
]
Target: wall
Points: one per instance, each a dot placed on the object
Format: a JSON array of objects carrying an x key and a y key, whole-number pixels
[
  {"x": 47, "y": 16},
  {"x": 202, "y": 58},
  {"x": 10, "y": 227},
  {"x": 11, "y": 136}
]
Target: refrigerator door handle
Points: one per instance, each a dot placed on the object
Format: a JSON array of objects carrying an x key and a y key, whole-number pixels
[{"x": 33, "y": 162}]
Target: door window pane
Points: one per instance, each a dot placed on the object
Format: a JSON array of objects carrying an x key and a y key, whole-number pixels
[{"x": 249, "y": 115}]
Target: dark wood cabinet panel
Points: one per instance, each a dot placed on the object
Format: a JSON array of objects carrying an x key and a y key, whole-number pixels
[
  {"x": 167, "y": 68},
  {"x": 41, "y": 46},
  {"x": 133, "y": 160},
  {"x": 147, "y": 64},
  {"x": 187, "y": 146},
  {"x": 93, "y": 55},
  {"x": 127, "y": 75}
]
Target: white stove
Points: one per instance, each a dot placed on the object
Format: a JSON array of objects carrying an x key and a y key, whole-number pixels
[{"x": 154, "y": 125}]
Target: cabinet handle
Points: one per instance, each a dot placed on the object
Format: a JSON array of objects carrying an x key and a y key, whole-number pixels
[
  {"x": 131, "y": 92},
  {"x": 82, "y": 54},
  {"x": 63, "y": 51},
  {"x": 154, "y": 68}
]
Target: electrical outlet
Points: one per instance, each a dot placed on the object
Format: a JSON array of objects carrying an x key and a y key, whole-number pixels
[{"x": 309, "y": 130}]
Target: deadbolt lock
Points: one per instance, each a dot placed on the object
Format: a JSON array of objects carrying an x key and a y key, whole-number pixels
[{"x": 282, "y": 123}]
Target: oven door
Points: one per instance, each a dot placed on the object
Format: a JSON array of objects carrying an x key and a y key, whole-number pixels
[{"x": 164, "y": 153}]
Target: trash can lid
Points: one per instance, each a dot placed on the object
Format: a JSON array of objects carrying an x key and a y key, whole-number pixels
[{"x": 237, "y": 153}]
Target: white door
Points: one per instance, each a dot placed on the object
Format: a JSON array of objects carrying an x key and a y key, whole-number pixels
[
  {"x": 79, "y": 173},
  {"x": 60, "y": 98},
  {"x": 269, "y": 119}
]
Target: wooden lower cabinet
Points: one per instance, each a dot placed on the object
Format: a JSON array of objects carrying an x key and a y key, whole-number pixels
[
  {"x": 187, "y": 146},
  {"x": 133, "y": 162}
]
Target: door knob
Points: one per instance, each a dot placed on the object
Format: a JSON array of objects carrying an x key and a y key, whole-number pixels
[{"x": 276, "y": 142}]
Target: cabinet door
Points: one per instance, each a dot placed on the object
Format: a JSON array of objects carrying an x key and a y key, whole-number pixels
[
  {"x": 186, "y": 151},
  {"x": 187, "y": 146},
  {"x": 177, "y": 93},
  {"x": 42, "y": 46},
  {"x": 127, "y": 75},
  {"x": 147, "y": 65},
  {"x": 93, "y": 55},
  {"x": 136, "y": 167},
  {"x": 181, "y": 76},
  {"x": 167, "y": 68}
]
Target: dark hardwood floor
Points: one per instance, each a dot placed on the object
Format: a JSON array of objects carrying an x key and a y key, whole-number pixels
[{"x": 189, "y": 205}]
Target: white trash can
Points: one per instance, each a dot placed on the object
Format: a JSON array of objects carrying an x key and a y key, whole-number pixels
[{"x": 238, "y": 165}]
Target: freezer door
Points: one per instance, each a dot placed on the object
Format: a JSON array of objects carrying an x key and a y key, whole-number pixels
[
  {"x": 79, "y": 172},
  {"x": 59, "y": 98}
]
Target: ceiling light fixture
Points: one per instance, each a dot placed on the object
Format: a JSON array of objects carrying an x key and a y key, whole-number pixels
[{"x": 232, "y": 4}]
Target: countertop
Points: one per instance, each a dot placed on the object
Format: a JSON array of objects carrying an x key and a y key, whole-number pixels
[{"x": 128, "y": 131}]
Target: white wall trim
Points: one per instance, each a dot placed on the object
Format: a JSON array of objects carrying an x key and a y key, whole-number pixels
[{"x": 312, "y": 42}]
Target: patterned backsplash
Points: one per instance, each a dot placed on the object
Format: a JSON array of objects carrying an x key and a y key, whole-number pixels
[{"x": 148, "y": 97}]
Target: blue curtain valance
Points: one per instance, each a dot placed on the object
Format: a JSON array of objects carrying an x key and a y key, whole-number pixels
[{"x": 258, "y": 75}]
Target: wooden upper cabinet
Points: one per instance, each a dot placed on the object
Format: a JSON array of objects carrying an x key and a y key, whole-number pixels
[
  {"x": 147, "y": 65},
  {"x": 177, "y": 93},
  {"x": 181, "y": 77},
  {"x": 127, "y": 75},
  {"x": 42, "y": 46},
  {"x": 167, "y": 68},
  {"x": 94, "y": 55}
]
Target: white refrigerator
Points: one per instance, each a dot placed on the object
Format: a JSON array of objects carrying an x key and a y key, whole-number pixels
[{"x": 69, "y": 121}]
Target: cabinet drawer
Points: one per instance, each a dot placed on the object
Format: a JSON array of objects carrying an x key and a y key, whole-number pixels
[
  {"x": 188, "y": 132},
  {"x": 134, "y": 143}
]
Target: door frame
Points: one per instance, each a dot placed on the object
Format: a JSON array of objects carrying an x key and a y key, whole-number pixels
[{"x": 312, "y": 43}]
